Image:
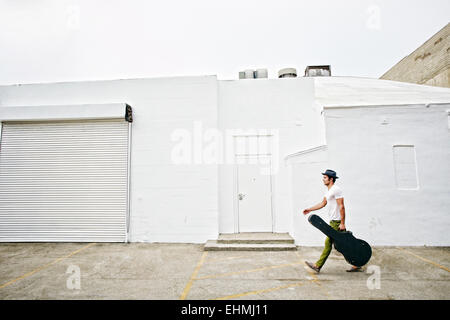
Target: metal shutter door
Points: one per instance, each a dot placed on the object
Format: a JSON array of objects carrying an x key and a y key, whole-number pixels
[{"x": 64, "y": 181}]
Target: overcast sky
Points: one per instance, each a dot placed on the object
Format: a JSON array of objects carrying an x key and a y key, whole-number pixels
[{"x": 73, "y": 40}]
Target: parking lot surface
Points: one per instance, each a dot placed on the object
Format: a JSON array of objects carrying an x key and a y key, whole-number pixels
[{"x": 185, "y": 271}]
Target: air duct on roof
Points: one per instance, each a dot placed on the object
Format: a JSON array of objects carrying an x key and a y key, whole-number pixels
[
  {"x": 249, "y": 74},
  {"x": 253, "y": 74},
  {"x": 261, "y": 73},
  {"x": 287, "y": 73},
  {"x": 318, "y": 71}
]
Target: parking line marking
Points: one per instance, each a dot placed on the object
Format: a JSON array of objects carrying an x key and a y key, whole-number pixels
[
  {"x": 426, "y": 260},
  {"x": 45, "y": 266},
  {"x": 259, "y": 291},
  {"x": 247, "y": 271},
  {"x": 223, "y": 259},
  {"x": 311, "y": 273},
  {"x": 315, "y": 280},
  {"x": 194, "y": 274}
]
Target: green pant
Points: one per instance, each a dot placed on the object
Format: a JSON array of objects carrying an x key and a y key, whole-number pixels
[{"x": 328, "y": 243}]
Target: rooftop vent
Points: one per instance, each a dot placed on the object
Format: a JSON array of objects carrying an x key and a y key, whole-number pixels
[
  {"x": 318, "y": 71},
  {"x": 253, "y": 74},
  {"x": 287, "y": 73}
]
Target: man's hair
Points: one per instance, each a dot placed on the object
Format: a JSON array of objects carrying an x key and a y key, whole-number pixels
[{"x": 332, "y": 178}]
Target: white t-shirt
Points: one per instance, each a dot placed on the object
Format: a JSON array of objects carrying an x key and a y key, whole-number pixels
[{"x": 333, "y": 209}]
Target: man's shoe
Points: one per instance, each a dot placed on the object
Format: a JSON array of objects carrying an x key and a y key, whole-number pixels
[
  {"x": 352, "y": 269},
  {"x": 312, "y": 266}
]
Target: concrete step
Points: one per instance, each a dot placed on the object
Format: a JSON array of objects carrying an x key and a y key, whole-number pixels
[
  {"x": 255, "y": 238},
  {"x": 213, "y": 245}
]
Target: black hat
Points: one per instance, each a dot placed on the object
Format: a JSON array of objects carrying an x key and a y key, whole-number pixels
[{"x": 330, "y": 173}]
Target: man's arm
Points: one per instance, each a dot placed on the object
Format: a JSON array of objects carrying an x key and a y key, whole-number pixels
[
  {"x": 340, "y": 203},
  {"x": 317, "y": 206}
]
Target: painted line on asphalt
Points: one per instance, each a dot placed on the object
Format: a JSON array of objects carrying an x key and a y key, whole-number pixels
[
  {"x": 26, "y": 275},
  {"x": 311, "y": 273},
  {"x": 247, "y": 271},
  {"x": 426, "y": 260},
  {"x": 314, "y": 279},
  {"x": 224, "y": 259},
  {"x": 259, "y": 291},
  {"x": 194, "y": 274}
]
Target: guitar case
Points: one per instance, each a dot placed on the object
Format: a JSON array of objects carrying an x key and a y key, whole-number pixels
[{"x": 357, "y": 252}]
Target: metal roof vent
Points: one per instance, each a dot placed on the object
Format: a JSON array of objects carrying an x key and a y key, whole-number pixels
[
  {"x": 253, "y": 74},
  {"x": 261, "y": 73},
  {"x": 287, "y": 73},
  {"x": 318, "y": 71}
]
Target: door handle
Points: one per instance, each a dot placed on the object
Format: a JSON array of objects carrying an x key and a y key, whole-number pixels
[{"x": 241, "y": 196}]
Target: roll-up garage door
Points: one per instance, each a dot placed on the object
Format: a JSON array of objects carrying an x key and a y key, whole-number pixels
[{"x": 64, "y": 181}]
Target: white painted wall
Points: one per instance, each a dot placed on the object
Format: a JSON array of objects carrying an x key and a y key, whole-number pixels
[
  {"x": 307, "y": 190},
  {"x": 194, "y": 202},
  {"x": 286, "y": 105},
  {"x": 169, "y": 203},
  {"x": 360, "y": 142}
]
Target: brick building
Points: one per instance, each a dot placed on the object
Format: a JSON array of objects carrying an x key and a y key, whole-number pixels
[{"x": 429, "y": 64}]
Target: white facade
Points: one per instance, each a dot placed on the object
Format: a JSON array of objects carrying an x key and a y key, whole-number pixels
[
  {"x": 282, "y": 107},
  {"x": 168, "y": 202},
  {"x": 192, "y": 156},
  {"x": 397, "y": 185}
]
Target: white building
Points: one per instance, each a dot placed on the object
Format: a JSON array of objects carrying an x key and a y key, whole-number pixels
[{"x": 198, "y": 156}]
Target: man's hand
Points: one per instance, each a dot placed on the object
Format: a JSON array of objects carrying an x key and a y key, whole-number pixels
[
  {"x": 316, "y": 207},
  {"x": 342, "y": 227}
]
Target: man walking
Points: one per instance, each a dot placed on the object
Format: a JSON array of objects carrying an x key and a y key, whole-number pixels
[{"x": 336, "y": 211}]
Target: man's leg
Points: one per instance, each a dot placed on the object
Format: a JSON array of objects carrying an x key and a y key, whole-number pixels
[
  {"x": 325, "y": 253},
  {"x": 328, "y": 245}
]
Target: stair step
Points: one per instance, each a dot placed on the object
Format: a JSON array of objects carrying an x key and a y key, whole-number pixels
[
  {"x": 214, "y": 245},
  {"x": 255, "y": 237}
]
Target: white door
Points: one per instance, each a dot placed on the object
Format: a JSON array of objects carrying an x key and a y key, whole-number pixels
[
  {"x": 64, "y": 181},
  {"x": 254, "y": 199}
]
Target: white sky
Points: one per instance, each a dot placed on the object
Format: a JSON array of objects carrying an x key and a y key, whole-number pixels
[{"x": 72, "y": 40}]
